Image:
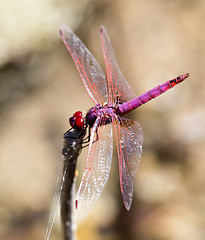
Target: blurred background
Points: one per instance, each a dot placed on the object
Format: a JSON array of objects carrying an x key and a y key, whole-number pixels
[{"x": 40, "y": 89}]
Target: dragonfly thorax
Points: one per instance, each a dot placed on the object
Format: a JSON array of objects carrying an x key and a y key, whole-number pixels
[
  {"x": 77, "y": 120},
  {"x": 105, "y": 112}
]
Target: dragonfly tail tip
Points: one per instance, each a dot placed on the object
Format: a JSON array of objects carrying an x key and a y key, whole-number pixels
[{"x": 186, "y": 75}]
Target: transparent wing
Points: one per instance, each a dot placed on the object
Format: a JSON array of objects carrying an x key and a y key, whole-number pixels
[
  {"x": 89, "y": 69},
  {"x": 117, "y": 85},
  {"x": 55, "y": 209},
  {"x": 97, "y": 168},
  {"x": 129, "y": 139}
]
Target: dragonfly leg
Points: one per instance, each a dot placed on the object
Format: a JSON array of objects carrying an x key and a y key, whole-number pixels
[{"x": 88, "y": 138}]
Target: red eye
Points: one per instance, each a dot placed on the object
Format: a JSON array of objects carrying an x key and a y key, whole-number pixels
[
  {"x": 77, "y": 121},
  {"x": 77, "y": 114}
]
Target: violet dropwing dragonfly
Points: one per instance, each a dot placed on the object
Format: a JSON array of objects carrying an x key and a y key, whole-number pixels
[{"x": 113, "y": 98}]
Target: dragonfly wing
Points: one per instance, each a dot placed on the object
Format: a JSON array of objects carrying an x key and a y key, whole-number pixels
[
  {"x": 55, "y": 209},
  {"x": 129, "y": 139},
  {"x": 117, "y": 85},
  {"x": 97, "y": 167},
  {"x": 89, "y": 69}
]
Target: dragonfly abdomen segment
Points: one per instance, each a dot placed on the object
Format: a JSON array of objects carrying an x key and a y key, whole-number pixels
[{"x": 149, "y": 95}]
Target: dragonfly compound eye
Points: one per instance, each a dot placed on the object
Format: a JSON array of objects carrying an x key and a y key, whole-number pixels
[
  {"x": 72, "y": 121},
  {"x": 79, "y": 122},
  {"x": 77, "y": 114}
]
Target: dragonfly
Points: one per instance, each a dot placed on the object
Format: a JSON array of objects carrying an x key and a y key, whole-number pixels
[{"x": 113, "y": 98}]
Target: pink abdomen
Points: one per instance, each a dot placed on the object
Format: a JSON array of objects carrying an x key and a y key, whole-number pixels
[{"x": 151, "y": 94}]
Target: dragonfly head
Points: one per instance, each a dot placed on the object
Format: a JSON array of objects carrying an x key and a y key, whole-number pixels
[{"x": 77, "y": 120}]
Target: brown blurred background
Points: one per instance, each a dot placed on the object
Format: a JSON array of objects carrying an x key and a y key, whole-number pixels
[{"x": 40, "y": 88}]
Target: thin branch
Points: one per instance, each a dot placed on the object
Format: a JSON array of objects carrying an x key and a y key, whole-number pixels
[{"x": 71, "y": 150}]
